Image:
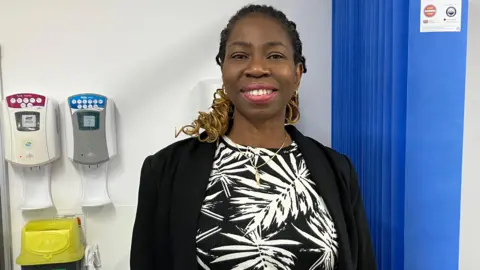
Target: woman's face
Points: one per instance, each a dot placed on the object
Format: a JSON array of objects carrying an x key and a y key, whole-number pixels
[{"x": 259, "y": 72}]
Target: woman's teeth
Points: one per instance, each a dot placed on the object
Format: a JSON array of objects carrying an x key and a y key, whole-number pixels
[{"x": 259, "y": 92}]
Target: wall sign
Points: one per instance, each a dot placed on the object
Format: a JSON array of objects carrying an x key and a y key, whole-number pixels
[{"x": 441, "y": 16}]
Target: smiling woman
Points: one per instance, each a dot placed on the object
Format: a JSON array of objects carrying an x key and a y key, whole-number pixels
[
  {"x": 251, "y": 191},
  {"x": 259, "y": 55},
  {"x": 260, "y": 49}
]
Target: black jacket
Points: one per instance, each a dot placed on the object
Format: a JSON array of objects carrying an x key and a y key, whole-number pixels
[{"x": 173, "y": 183}]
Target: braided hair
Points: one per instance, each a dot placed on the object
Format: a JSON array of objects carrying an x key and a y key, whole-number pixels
[{"x": 270, "y": 11}]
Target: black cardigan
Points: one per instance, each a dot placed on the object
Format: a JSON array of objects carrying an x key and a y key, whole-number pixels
[{"x": 173, "y": 183}]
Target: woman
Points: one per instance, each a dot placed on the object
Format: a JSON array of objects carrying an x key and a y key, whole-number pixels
[{"x": 251, "y": 192}]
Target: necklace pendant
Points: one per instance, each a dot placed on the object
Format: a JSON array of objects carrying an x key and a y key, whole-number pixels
[{"x": 257, "y": 177}]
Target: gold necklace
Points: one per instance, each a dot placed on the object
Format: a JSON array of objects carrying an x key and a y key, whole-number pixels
[{"x": 257, "y": 173}]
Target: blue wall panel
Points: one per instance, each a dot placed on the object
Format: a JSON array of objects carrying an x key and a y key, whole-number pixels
[
  {"x": 397, "y": 111},
  {"x": 435, "y": 113}
]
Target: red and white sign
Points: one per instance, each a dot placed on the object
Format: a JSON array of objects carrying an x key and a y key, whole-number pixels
[{"x": 430, "y": 11}]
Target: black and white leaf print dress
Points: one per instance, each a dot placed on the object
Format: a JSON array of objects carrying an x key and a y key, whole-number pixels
[{"x": 281, "y": 223}]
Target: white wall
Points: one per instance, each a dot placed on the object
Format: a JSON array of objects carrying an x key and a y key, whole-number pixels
[
  {"x": 470, "y": 218},
  {"x": 146, "y": 55}
]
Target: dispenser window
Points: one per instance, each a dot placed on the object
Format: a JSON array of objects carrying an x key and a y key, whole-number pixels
[
  {"x": 88, "y": 120},
  {"x": 27, "y": 121}
]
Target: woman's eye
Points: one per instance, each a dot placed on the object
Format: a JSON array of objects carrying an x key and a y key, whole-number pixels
[
  {"x": 239, "y": 56},
  {"x": 275, "y": 56}
]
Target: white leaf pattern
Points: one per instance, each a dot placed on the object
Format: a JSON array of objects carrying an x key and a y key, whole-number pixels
[
  {"x": 201, "y": 236},
  {"x": 323, "y": 239},
  {"x": 262, "y": 253},
  {"x": 281, "y": 223}
]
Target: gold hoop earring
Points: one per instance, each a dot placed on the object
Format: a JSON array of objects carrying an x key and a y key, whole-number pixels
[{"x": 293, "y": 112}]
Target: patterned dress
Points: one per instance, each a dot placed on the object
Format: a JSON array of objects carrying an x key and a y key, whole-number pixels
[{"x": 281, "y": 223}]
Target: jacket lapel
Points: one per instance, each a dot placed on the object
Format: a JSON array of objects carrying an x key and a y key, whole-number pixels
[
  {"x": 325, "y": 180},
  {"x": 189, "y": 187}
]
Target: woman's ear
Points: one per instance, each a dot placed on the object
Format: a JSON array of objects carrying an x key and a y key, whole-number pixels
[{"x": 298, "y": 75}]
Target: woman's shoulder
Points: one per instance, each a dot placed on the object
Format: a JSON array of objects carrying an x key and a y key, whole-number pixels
[
  {"x": 177, "y": 150},
  {"x": 329, "y": 151},
  {"x": 338, "y": 160}
]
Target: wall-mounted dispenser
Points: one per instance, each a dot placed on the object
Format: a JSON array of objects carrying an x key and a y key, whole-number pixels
[
  {"x": 91, "y": 142},
  {"x": 32, "y": 142}
]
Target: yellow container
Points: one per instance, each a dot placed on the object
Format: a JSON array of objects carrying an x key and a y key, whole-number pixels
[{"x": 50, "y": 242}]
